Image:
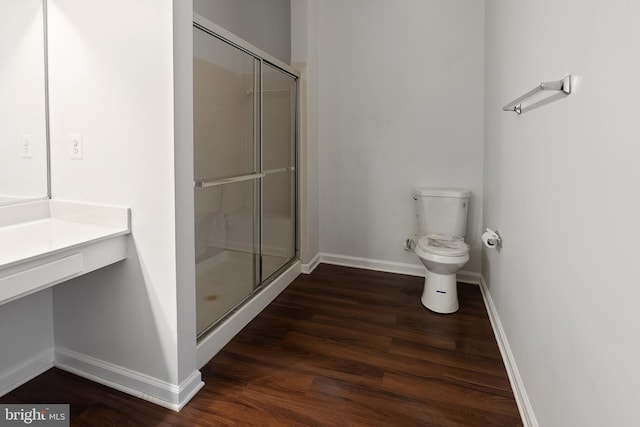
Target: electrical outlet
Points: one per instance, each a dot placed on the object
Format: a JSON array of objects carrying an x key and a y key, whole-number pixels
[
  {"x": 75, "y": 145},
  {"x": 26, "y": 147}
]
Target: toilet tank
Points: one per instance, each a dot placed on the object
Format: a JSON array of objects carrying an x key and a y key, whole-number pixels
[{"x": 441, "y": 210}]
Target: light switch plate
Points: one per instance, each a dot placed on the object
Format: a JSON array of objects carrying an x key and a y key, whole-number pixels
[
  {"x": 27, "y": 146},
  {"x": 75, "y": 147}
]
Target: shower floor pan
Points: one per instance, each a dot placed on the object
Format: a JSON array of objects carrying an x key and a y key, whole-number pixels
[{"x": 223, "y": 281}]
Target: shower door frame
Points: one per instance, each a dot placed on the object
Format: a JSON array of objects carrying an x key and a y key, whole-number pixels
[{"x": 261, "y": 58}]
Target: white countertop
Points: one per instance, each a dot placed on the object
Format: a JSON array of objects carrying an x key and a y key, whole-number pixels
[
  {"x": 50, "y": 241},
  {"x": 24, "y": 242}
]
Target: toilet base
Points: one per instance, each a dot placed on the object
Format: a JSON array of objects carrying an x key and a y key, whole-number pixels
[{"x": 440, "y": 293}]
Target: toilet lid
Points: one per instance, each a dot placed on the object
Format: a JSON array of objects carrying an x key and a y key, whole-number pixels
[{"x": 443, "y": 245}]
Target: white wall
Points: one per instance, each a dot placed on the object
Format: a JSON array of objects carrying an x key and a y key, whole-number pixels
[
  {"x": 264, "y": 24},
  {"x": 26, "y": 334},
  {"x": 400, "y": 105},
  {"x": 112, "y": 72},
  {"x": 304, "y": 57},
  {"x": 183, "y": 163},
  {"x": 561, "y": 185}
]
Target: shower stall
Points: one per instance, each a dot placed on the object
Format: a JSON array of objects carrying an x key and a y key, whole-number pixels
[{"x": 245, "y": 183}]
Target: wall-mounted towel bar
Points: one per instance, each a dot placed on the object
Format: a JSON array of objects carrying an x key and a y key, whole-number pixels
[{"x": 562, "y": 85}]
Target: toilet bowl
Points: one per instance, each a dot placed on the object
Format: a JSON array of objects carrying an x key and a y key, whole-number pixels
[
  {"x": 441, "y": 217},
  {"x": 442, "y": 256}
]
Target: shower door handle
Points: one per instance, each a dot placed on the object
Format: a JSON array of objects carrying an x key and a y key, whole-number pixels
[{"x": 204, "y": 183}]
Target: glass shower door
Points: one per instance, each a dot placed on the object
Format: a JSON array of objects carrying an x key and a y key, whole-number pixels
[
  {"x": 227, "y": 176},
  {"x": 279, "y": 92}
]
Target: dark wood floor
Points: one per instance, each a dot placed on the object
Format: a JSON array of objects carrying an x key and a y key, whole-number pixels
[{"x": 339, "y": 347}]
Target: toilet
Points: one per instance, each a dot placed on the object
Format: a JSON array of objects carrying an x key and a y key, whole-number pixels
[{"x": 441, "y": 214}]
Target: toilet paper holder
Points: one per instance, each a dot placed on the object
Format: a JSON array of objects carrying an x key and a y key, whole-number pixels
[{"x": 491, "y": 239}]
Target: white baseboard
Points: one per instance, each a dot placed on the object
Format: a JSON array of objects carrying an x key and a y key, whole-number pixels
[
  {"x": 373, "y": 264},
  {"x": 391, "y": 267},
  {"x": 308, "y": 268},
  {"x": 470, "y": 277},
  {"x": 131, "y": 382},
  {"x": 519, "y": 391},
  {"x": 24, "y": 371},
  {"x": 212, "y": 343}
]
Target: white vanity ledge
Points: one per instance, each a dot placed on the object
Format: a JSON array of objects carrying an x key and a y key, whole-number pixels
[{"x": 47, "y": 242}]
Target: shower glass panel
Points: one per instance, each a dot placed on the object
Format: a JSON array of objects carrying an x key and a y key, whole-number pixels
[
  {"x": 245, "y": 174},
  {"x": 226, "y": 248},
  {"x": 225, "y": 124},
  {"x": 226, "y": 176},
  {"x": 278, "y": 225},
  {"x": 278, "y": 164}
]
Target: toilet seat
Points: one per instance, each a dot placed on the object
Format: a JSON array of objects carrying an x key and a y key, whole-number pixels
[{"x": 437, "y": 244}]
